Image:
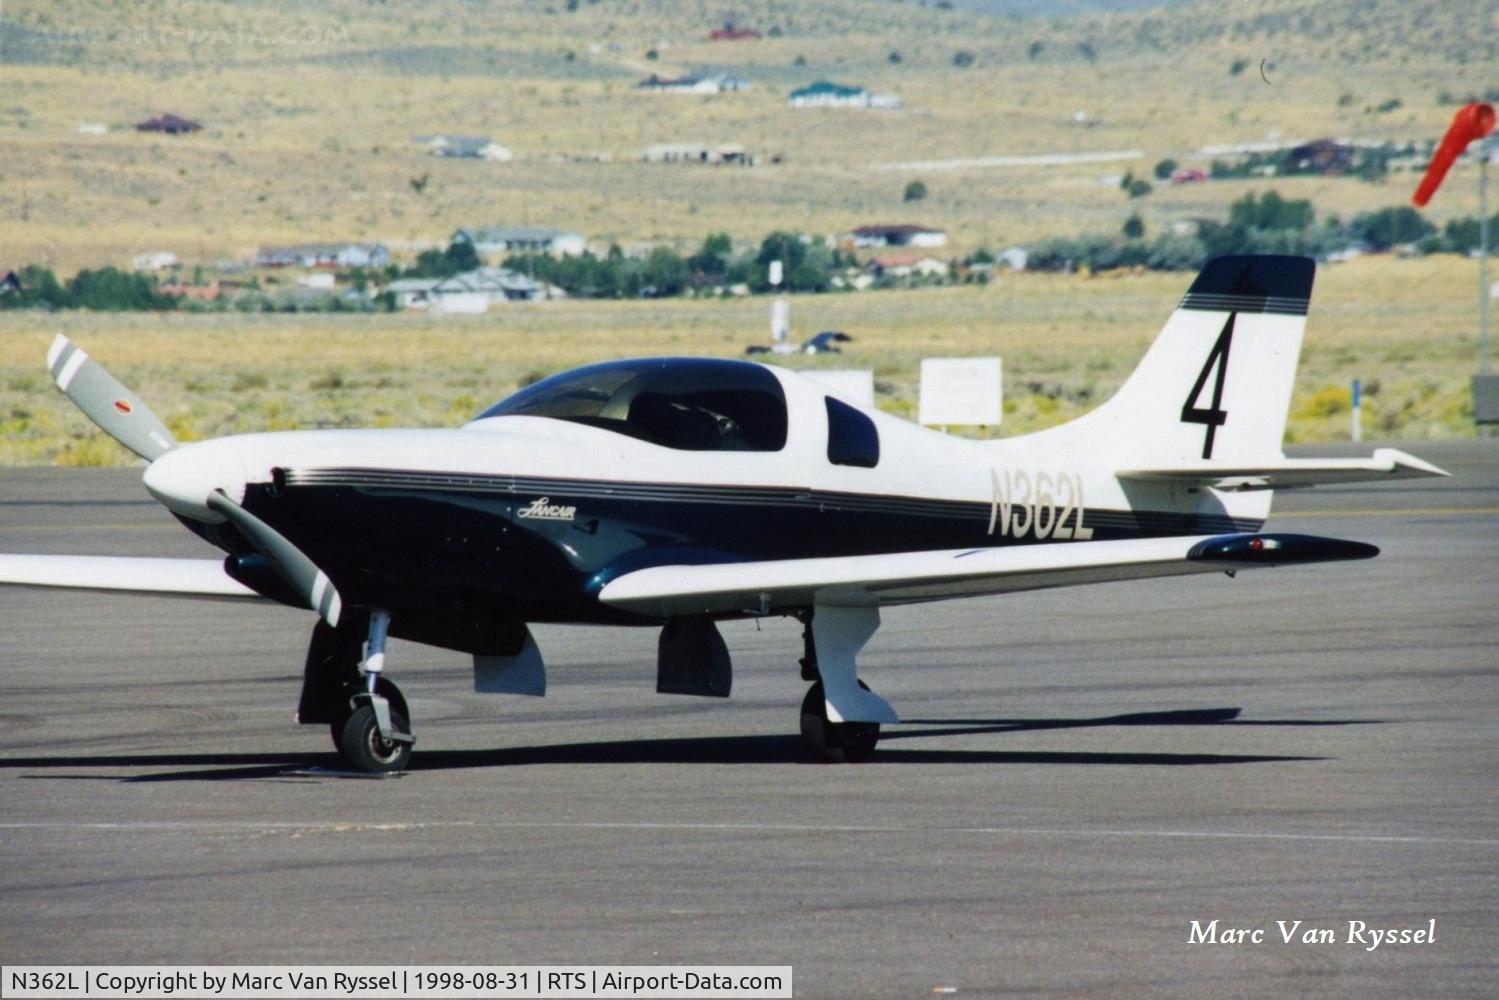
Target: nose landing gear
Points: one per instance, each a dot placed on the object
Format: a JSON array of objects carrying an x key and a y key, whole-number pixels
[{"x": 365, "y": 713}]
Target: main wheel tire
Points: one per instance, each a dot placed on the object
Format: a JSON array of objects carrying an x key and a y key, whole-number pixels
[
  {"x": 836, "y": 742},
  {"x": 365, "y": 750}
]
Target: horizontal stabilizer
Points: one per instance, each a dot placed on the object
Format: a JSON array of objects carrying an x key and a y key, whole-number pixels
[
  {"x": 168, "y": 577},
  {"x": 1289, "y": 473},
  {"x": 911, "y": 577}
]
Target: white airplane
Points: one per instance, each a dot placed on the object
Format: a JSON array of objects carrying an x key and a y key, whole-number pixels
[{"x": 678, "y": 492}]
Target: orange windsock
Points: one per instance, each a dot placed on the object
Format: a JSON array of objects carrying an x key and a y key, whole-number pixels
[{"x": 1473, "y": 121}]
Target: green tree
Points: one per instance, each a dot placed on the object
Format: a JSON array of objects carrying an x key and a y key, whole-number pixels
[
  {"x": 460, "y": 257},
  {"x": 1164, "y": 169},
  {"x": 1391, "y": 226},
  {"x": 113, "y": 290},
  {"x": 786, "y": 247},
  {"x": 39, "y": 289},
  {"x": 709, "y": 265},
  {"x": 665, "y": 272},
  {"x": 1134, "y": 227},
  {"x": 1271, "y": 212},
  {"x": 915, "y": 191}
]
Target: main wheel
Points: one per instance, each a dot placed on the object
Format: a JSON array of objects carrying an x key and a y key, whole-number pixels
[
  {"x": 365, "y": 749},
  {"x": 836, "y": 742}
]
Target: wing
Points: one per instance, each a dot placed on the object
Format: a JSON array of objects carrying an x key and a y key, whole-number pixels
[
  {"x": 1290, "y": 473},
  {"x": 910, "y": 577},
  {"x": 171, "y": 577}
]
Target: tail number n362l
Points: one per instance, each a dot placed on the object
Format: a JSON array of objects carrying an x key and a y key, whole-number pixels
[{"x": 1043, "y": 504}]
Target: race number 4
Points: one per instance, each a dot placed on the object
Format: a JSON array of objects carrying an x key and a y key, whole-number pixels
[
  {"x": 1213, "y": 416},
  {"x": 1042, "y": 505}
]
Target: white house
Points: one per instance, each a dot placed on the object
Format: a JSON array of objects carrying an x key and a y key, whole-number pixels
[
  {"x": 823, "y": 94},
  {"x": 522, "y": 239},
  {"x": 412, "y": 293},
  {"x": 688, "y": 152},
  {"x": 160, "y": 260},
  {"x": 323, "y": 255},
  {"x": 902, "y": 235},
  {"x": 465, "y": 147},
  {"x": 694, "y": 83},
  {"x": 907, "y": 264}
]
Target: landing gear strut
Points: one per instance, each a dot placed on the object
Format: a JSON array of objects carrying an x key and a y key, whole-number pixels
[{"x": 841, "y": 716}]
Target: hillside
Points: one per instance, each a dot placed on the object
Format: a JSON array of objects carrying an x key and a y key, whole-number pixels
[{"x": 310, "y": 115}]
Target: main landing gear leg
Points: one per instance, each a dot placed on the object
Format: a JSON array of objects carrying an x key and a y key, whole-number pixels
[
  {"x": 840, "y": 716},
  {"x": 376, "y": 737}
]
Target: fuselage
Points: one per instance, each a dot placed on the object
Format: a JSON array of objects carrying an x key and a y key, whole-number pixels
[{"x": 526, "y": 517}]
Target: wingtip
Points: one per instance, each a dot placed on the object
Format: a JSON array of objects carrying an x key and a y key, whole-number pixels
[{"x": 1406, "y": 462}]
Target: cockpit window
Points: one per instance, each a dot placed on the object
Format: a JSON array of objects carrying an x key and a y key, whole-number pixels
[{"x": 692, "y": 404}]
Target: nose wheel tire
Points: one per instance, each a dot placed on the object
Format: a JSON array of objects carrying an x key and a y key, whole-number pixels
[
  {"x": 365, "y": 750},
  {"x": 836, "y": 742}
]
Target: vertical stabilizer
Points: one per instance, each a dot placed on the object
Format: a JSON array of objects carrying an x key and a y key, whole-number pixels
[{"x": 1216, "y": 384}]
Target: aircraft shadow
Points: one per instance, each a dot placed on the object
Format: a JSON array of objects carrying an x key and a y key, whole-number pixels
[
  {"x": 1176, "y": 717},
  {"x": 787, "y": 749}
]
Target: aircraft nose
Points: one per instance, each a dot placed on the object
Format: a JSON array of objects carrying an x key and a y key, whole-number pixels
[{"x": 182, "y": 478}]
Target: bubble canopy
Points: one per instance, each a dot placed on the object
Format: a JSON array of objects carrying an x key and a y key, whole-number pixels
[{"x": 690, "y": 404}]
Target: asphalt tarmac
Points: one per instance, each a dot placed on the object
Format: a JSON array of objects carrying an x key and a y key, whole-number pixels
[{"x": 1082, "y": 774}]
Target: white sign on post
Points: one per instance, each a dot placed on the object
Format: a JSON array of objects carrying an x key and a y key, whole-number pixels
[{"x": 959, "y": 391}]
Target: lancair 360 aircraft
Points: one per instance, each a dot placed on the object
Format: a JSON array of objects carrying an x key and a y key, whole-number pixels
[{"x": 678, "y": 492}]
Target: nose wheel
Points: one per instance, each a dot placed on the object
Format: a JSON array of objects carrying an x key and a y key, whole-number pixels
[
  {"x": 372, "y": 729},
  {"x": 366, "y": 749}
]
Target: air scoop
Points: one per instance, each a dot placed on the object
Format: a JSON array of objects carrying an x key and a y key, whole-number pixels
[{"x": 182, "y": 479}]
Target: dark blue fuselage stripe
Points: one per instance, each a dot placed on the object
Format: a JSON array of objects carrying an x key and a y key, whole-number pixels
[{"x": 528, "y": 488}]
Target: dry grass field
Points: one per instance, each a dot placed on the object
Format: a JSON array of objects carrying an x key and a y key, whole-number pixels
[
  {"x": 310, "y": 113},
  {"x": 1403, "y": 326}
]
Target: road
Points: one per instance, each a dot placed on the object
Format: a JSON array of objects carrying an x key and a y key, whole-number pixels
[{"x": 1082, "y": 774}]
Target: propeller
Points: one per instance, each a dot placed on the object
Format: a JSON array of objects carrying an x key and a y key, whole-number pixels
[
  {"x": 107, "y": 402},
  {"x": 195, "y": 477},
  {"x": 291, "y": 562}
]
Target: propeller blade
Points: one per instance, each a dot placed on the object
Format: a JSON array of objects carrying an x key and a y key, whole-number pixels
[
  {"x": 104, "y": 400},
  {"x": 291, "y": 562}
]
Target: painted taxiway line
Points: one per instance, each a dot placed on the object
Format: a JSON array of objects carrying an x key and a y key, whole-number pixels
[{"x": 355, "y": 826}]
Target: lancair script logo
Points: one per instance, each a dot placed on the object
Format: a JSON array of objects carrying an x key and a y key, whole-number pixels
[{"x": 545, "y": 510}]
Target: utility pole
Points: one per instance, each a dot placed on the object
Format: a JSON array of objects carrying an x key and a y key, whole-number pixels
[
  {"x": 1485, "y": 384},
  {"x": 1486, "y": 151}
]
